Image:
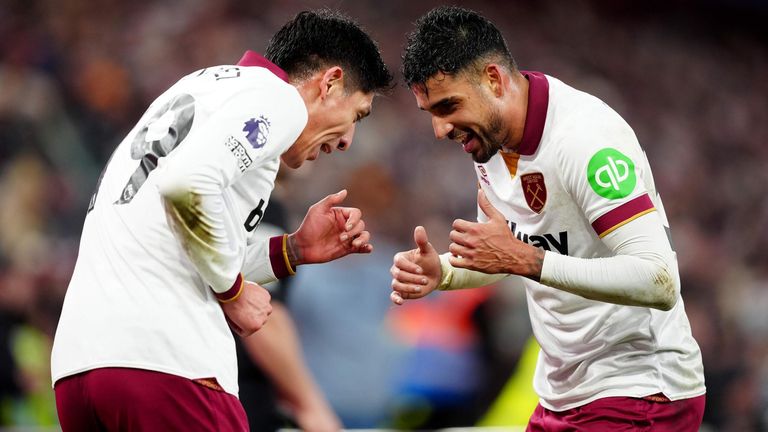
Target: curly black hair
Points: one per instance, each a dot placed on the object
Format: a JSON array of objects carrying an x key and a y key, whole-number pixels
[
  {"x": 322, "y": 38},
  {"x": 449, "y": 39}
]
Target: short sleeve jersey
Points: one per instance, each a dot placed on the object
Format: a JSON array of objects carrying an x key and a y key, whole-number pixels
[
  {"x": 578, "y": 175},
  {"x": 135, "y": 298}
]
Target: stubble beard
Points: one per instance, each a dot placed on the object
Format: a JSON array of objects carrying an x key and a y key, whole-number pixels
[{"x": 492, "y": 137}]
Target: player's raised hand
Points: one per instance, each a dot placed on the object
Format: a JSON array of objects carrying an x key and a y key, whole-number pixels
[
  {"x": 329, "y": 232},
  {"x": 249, "y": 311},
  {"x": 415, "y": 273},
  {"x": 491, "y": 247}
]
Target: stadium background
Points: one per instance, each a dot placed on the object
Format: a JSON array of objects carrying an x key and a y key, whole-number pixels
[{"x": 690, "y": 77}]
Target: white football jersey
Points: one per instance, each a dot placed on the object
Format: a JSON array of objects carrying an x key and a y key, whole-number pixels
[
  {"x": 578, "y": 175},
  {"x": 136, "y": 299}
]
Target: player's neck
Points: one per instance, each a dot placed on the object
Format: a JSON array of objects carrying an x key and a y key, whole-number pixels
[{"x": 516, "y": 112}]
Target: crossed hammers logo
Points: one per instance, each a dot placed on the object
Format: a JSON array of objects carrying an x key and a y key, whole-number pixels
[{"x": 535, "y": 195}]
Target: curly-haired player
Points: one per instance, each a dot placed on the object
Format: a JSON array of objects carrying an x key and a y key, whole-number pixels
[{"x": 568, "y": 205}]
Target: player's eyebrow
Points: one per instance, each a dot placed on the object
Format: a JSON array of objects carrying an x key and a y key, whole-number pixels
[{"x": 442, "y": 103}]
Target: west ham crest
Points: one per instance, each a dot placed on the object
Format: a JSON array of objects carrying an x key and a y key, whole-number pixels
[
  {"x": 535, "y": 190},
  {"x": 257, "y": 131}
]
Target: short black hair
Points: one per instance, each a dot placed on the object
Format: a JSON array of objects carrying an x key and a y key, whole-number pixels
[
  {"x": 323, "y": 38},
  {"x": 449, "y": 39}
]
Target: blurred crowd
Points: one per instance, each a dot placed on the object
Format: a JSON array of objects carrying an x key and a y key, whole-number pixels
[{"x": 690, "y": 78}]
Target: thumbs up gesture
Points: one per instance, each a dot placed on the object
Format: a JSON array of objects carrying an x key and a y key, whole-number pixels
[
  {"x": 416, "y": 272},
  {"x": 490, "y": 247}
]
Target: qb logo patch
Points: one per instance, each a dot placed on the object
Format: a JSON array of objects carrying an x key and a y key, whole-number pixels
[
  {"x": 257, "y": 131},
  {"x": 535, "y": 190},
  {"x": 611, "y": 174}
]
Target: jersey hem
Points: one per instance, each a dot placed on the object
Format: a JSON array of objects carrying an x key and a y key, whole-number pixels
[
  {"x": 672, "y": 397},
  {"x": 143, "y": 366}
]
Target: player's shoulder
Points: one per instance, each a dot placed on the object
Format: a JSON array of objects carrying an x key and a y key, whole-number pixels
[
  {"x": 576, "y": 107},
  {"x": 230, "y": 90},
  {"x": 261, "y": 78},
  {"x": 581, "y": 127},
  {"x": 227, "y": 81},
  {"x": 578, "y": 115}
]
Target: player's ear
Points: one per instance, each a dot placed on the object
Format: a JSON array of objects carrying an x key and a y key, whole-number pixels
[
  {"x": 494, "y": 77},
  {"x": 332, "y": 81}
]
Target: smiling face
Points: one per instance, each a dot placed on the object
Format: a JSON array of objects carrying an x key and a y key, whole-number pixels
[
  {"x": 468, "y": 111},
  {"x": 333, "y": 114}
]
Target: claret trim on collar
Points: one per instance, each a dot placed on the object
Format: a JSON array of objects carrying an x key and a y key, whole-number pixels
[
  {"x": 538, "y": 102},
  {"x": 252, "y": 58}
]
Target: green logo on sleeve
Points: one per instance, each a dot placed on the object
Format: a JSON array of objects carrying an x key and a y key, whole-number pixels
[{"x": 611, "y": 174}]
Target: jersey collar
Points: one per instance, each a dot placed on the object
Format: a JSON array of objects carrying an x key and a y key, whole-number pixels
[
  {"x": 251, "y": 58},
  {"x": 536, "y": 115}
]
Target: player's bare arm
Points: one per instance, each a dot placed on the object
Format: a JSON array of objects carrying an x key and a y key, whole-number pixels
[
  {"x": 328, "y": 232},
  {"x": 416, "y": 272},
  {"x": 490, "y": 247},
  {"x": 248, "y": 311}
]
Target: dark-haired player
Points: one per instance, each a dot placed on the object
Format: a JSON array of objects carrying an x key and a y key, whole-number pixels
[
  {"x": 168, "y": 259},
  {"x": 567, "y": 203}
]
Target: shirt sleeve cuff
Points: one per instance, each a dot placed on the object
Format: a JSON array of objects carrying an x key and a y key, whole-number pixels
[
  {"x": 233, "y": 293},
  {"x": 278, "y": 257},
  {"x": 447, "y": 274}
]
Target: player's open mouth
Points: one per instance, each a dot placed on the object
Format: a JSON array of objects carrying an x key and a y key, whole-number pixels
[
  {"x": 325, "y": 148},
  {"x": 468, "y": 141}
]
